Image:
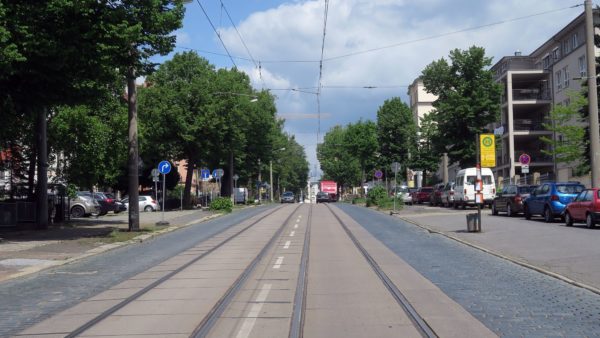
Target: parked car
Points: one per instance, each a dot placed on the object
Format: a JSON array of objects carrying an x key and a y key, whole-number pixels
[
  {"x": 288, "y": 197},
  {"x": 146, "y": 203},
  {"x": 84, "y": 205},
  {"x": 584, "y": 208},
  {"x": 404, "y": 193},
  {"x": 435, "y": 197},
  {"x": 551, "y": 199},
  {"x": 119, "y": 206},
  {"x": 421, "y": 195},
  {"x": 322, "y": 197},
  {"x": 464, "y": 187},
  {"x": 106, "y": 204},
  {"x": 448, "y": 194},
  {"x": 510, "y": 199}
]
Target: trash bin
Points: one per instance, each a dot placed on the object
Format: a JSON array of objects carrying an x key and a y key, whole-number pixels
[{"x": 473, "y": 223}]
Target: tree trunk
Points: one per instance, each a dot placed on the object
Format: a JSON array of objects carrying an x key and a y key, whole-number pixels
[
  {"x": 187, "y": 195},
  {"x": 32, "y": 166},
  {"x": 42, "y": 176},
  {"x": 133, "y": 186}
]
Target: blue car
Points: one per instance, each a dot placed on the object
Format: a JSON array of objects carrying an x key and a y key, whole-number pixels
[{"x": 550, "y": 199}]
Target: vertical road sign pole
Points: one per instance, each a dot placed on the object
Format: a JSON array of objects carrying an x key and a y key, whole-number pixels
[
  {"x": 478, "y": 177},
  {"x": 163, "y": 201}
]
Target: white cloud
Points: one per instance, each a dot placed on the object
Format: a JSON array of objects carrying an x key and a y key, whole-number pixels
[
  {"x": 183, "y": 38},
  {"x": 293, "y": 31}
]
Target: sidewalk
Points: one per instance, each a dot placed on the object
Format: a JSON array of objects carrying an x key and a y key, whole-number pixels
[
  {"x": 28, "y": 251},
  {"x": 571, "y": 254}
]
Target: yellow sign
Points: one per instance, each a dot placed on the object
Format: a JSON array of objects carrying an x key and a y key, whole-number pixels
[{"x": 487, "y": 149}]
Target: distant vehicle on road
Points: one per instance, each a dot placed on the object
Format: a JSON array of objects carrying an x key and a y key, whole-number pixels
[
  {"x": 404, "y": 193},
  {"x": 240, "y": 195},
  {"x": 288, "y": 197},
  {"x": 119, "y": 206},
  {"x": 584, "y": 208},
  {"x": 330, "y": 187},
  {"x": 510, "y": 199},
  {"x": 322, "y": 197},
  {"x": 551, "y": 199}
]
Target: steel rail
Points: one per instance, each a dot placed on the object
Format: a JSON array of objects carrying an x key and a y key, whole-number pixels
[
  {"x": 161, "y": 280},
  {"x": 203, "y": 329},
  {"x": 418, "y": 321},
  {"x": 297, "y": 323}
]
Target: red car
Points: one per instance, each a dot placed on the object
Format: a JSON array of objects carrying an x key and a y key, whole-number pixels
[
  {"x": 422, "y": 195},
  {"x": 584, "y": 208}
]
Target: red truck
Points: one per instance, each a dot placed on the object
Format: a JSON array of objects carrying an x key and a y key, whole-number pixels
[{"x": 330, "y": 187}]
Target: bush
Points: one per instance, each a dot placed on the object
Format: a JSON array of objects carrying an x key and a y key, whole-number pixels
[
  {"x": 376, "y": 196},
  {"x": 359, "y": 200},
  {"x": 221, "y": 204}
]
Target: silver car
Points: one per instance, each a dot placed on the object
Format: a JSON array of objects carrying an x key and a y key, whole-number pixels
[
  {"x": 146, "y": 203},
  {"x": 404, "y": 194},
  {"x": 448, "y": 195},
  {"x": 84, "y": 205}
]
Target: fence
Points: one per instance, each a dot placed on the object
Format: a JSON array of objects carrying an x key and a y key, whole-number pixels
[{"x": 13, "y": 213}]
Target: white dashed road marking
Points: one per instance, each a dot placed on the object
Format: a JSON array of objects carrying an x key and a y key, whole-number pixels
[
  {"x": 292, "y": 233},
  {"x": 254, "y": 312},
  {"x": 278, "y": 262},
  {"x": 287, "y": 244}
]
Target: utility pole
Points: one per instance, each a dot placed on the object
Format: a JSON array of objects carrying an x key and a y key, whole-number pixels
[
  {"x": 259, "y": 181},
  {"x": 592, "y": 94},
  {"x": 271, "y": 179}
]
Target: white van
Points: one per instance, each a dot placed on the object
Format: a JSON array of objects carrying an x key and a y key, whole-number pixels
[{"x": 464, "y": 187}]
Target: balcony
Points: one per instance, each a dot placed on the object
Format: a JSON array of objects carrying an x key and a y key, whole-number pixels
[
  {"x": 529, "y": 124},
  {"x": 529, "y": 94}
]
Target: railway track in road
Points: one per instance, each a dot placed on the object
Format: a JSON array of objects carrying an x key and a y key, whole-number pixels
[
  {"x": 424, "y": 329},
  {"x": 258, "y": 280}
]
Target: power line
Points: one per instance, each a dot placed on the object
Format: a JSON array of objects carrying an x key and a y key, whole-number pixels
[
  {"x": 238, "y": 33},
  {"x": 449, "y": 33},
  {"x": 216, "y": 32},
  {"x": 321, "y": 69}
]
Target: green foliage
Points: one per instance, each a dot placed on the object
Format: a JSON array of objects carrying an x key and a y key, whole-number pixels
[
  {"x": 221, "y": 204},
  {"x": 468, "y": 100},
  {"x": 376, "y": 196},
  {"x": 361, "y": 140},
  {"x": 396, "y": 132},
  {"x": 337, "y": 162},
  {"x": 359, "y": 200},
  {"x": 568, "y": 123}
]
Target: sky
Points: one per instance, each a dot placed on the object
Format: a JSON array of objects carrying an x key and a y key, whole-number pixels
[{"x": 367, "y": 43}]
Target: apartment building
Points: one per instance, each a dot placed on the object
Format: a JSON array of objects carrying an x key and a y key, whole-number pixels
[
  {"x": 421, "y": 102},
  {"x": 533, "y": 84}
]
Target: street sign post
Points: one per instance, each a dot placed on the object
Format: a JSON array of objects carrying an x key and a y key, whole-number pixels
[
  {"x": 487, "y": 146},
  {"x": 395, "y": 169},
  {"x": 217, "y": 174},
  {"x": 378, "y": 174},
  {"x": 235, "y": 178},
  {"x": 525, "y": 159},
  {"x": 205, "y": 174},
  {"x": 164, "y": 167}
]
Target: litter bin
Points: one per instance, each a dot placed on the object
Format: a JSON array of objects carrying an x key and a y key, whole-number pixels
[{"x": 473, "y": 223}]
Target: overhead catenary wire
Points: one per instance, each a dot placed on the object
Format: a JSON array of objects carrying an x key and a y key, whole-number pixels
[
  {"x": 321, "y": 70},
  {"x": 216, "y": 32}
]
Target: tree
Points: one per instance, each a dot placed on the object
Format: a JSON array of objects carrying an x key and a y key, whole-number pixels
[
  {"x": 396, "y": 132},
  {"x": 338, "y": 164},
  {"x": 292, "y": 168},
  {"x": 361, "y": 140},
  {"x": 468, "y": 100},
  {"x": 177, "y": 119},
  {"x": 568, "y": 124}
]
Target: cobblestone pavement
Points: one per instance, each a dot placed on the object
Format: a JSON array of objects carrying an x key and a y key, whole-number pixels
[{"x": 511, "y": 300}]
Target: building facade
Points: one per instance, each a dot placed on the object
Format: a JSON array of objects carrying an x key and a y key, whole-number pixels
[
  {"x": 421, "y": 102},
  {"x": 533, "y": 85}
]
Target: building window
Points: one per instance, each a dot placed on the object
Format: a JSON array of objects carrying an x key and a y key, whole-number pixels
[
  {"x": 566, "y": 75},
  {"x": 558, "y": 80},
  {"x": 575, "y": 41},
  {"x": 566, "y": 47},
  {"x": 556, "y": 54},
  {"x": 582, "y": 66},
  {"x": 546, "y": 62}
]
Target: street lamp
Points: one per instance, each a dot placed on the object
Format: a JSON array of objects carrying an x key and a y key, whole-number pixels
[{"x": 271, "y": 175}]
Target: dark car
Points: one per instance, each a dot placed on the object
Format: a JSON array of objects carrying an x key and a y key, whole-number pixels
[
  {"x": 322, "y": 197},
  {"x": 551, "y": 199},
  {"x": 422, "y": 195},
  {"x": 510, "y": 199},
  {"x": 435, "y": 197},
  {"x": 119, "y": 206},
  {"x": 584, "y": 208},
  {"x": 288, "y": 197}
]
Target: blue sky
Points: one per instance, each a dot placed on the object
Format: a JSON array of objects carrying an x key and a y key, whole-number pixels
[{"x": 292, "y": 31}]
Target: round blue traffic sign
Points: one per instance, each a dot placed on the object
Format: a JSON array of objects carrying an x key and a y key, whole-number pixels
[
  {"x": 205, "y": 174},
  {"x": 164, "y": 167},
  {"x": 378, "y": 174}
]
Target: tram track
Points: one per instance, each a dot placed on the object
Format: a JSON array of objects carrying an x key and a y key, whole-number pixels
[
  {"x": 107, "y": 313},
  {"x": 420, "y": 324}
]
